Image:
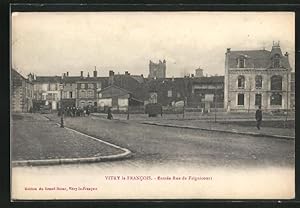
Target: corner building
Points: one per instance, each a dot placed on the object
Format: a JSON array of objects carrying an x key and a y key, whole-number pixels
[{"x": 257, "y": 77}]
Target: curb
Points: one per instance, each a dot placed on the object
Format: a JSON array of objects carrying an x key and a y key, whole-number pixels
[
  {"x": 126, "y": 154},
  {"x": 222, "y": 131}
]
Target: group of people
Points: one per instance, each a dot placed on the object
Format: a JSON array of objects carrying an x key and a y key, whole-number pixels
[{"x": 75, "y": 111}]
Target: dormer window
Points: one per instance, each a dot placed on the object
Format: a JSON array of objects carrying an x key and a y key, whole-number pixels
[
  {"x": 276, "y": 61},
  {"x": 241, "y": 62}
]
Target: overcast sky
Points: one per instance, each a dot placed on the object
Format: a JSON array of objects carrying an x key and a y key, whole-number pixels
[{"x": 53, "y": 43}]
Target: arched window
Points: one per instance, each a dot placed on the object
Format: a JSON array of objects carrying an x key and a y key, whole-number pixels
[
  {"x": 276, "y": 99},
  {"x": 258, "y": 82},
  {"x": 276, "y": 82},
  {"x": 241, "y": 82},
  {"x": 276, "y": 61}
]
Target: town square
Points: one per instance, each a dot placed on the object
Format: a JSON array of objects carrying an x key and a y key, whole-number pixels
[{"x": 124, "y": 115}]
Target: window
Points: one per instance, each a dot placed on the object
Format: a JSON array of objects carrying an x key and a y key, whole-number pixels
[
  {"x": 258, "y": 82},
  {"x": 169, "y": 93},
  {"x": 241, "y": 82},
  {"x": 276, "y": 61},
  {"x": 258, "y": 99},
  {"x": 90, "y": 93},
  {"x": 276, "y": 99},
  {"x": 90, "y": 86},
  {"x": 276, "y": 82},
  {"x": 240, "y": 100},
  {"x": 82, "y": 86},
  {"x": 82, "y": 94},
  {"x": 241, "y": 62},
  {"x": 70, "y": 94},
  {"x": 98, "y": 85},
  {"x": 53, "y": 87}
]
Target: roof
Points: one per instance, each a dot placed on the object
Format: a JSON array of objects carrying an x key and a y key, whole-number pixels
[
  {"x": 55, "y": 79},
  {"x": 257, "y": 58},
  {"x": 138, "y": 78},
  {"x": 113, "y": 91}
]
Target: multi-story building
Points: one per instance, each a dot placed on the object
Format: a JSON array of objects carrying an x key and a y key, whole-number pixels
[
  {"x": 157, "y": 70},
  {"x": 256, "y": 77},
  {"x": 21, "y": 92},
  {"x": 47, "y": 90},
  {"x": 87, "y": 89}
]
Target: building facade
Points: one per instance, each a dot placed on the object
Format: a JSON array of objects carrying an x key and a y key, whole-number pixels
[
  {"x": 21, "y": 93},
  {"x": 47, "y": 90},
  {"x": 257, "y": 78},
  {"x": 157, "y": 70}
]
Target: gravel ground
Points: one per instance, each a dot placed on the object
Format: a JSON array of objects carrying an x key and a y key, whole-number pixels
[
  {"x": 161, "y": 146},
  {"x": 36, "y": 138}
]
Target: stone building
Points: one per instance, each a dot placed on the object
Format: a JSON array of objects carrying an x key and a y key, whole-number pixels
[
  {"x": 21, "y": 92},
  {"x": 257, "y": 77},
  {"x": 47, "y": 91},
  {"x": 157, "y": 70},
  {"x": 87, "y": 90}
]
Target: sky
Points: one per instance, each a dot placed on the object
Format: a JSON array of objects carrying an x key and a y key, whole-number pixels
[{"x": 54, "y": 43}]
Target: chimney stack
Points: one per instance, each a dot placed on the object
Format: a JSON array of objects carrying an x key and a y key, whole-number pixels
[
  {"x": 111, "y": 73},
  {"x": 286, "y": 54},
  {"x": 228, "y": 50},
  {"x": 127, "y": 73},
  {"x": 95, "y": 73},
  {"x": 67, "y": 74},
  {"x": 81, "y": 73}
]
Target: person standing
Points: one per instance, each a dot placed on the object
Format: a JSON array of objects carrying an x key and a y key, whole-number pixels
[
  {"x": 109, "y": 114},
  {"x": 258, "y": 117}
]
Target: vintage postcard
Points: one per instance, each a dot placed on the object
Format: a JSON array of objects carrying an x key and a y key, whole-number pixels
[{"x": 152, "y": 105}]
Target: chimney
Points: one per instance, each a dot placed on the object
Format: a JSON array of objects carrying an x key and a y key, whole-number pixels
[
  {"x": 88, "y": 74},
  {"x": 192, "y": 75},
  {"x": 67, "y": 74},
  {"x": 95, "y": 73},
  {"x": 228, "y": 50},
  {"x": 111, "y": 73},
  {"x": 142, "y": 75},
  {"x": 127, "y": 73},
  {"x": 286, "y": 54},
  {"x": 81, "y": 73},
  {"x": 111, "y": 77}
]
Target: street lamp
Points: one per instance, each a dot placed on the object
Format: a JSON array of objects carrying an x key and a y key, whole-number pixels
[{"x": 61, "y": 107}]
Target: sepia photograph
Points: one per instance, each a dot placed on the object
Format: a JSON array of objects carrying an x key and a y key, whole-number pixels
[{"x": 152, "y": 105}]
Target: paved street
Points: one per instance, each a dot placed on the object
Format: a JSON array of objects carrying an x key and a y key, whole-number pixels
[
  {"x": 36, "y": 138},
  {"x": 159, "y": 146}
]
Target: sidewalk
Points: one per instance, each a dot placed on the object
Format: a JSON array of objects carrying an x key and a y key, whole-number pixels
[
  {"x": 282, "y": 133},
  {"x": 35, "y": 138},
  {"x": 221, "y": 116}
]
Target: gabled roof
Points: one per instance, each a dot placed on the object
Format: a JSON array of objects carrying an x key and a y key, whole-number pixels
[{"x": 113, "y": 91}]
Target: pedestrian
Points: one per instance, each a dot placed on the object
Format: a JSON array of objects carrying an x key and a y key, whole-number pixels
[
  {"x": 109, "y": 114},
  {"x": 258, "y": 117}
]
